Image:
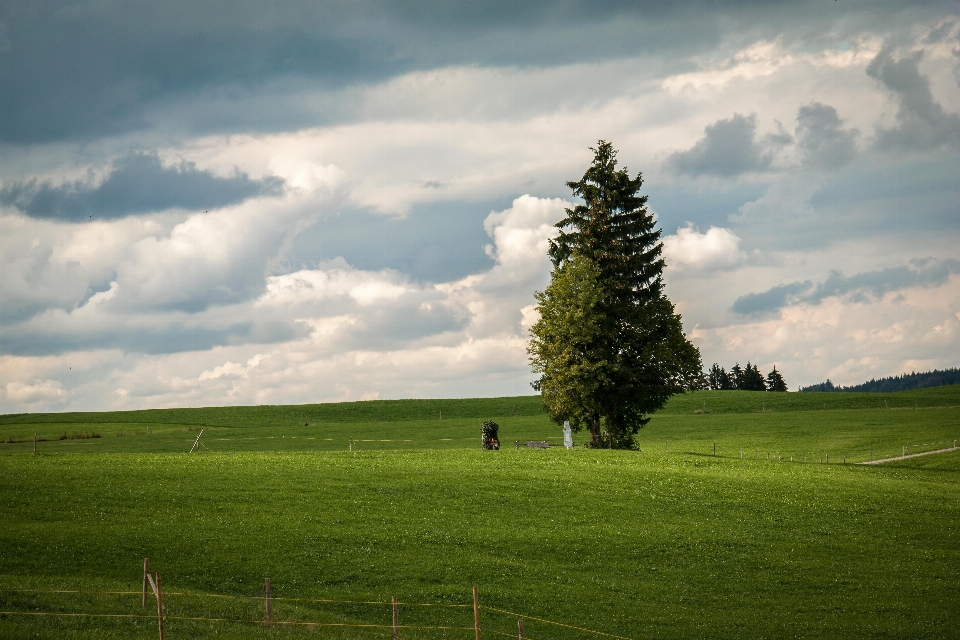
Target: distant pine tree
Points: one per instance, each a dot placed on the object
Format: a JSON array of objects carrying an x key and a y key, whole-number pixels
[
  {"x": 739, "y": 378},
  {"x": 752, "y": 379},
  {"x": 775, "y": 381},
  {"x": 736, "y": 377},
  {"x": 718, "y": 379},
  {"x": 726, "y": 381},
  {"x": 907, "y": 381}
]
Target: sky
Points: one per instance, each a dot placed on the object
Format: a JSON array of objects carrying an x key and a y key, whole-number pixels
[{"x": 242, "y": 203}]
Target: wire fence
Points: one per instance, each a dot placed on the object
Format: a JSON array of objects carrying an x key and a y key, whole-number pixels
[
  {"x": 369, "y": 618},
  {"x": 861, "y": 454}
]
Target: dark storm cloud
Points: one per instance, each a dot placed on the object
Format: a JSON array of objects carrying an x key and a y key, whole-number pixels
[
  {"x": 728, "y": 148},
  {"x": 85, "y": 70},
  {"x": 926, "y": 272},
  {"x": 770, "y": 300},
  {"x": 822, "y": 139},
  {"x": 921, "y": 122},
  {"x": 138, "y": 183}
]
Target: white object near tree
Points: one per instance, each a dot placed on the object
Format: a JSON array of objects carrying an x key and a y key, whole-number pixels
[{"x": 567, "y": 435}]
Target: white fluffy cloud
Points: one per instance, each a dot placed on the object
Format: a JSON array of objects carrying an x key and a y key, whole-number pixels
[
  {"x": 47, "y": 391},
  {"x": 364, "y": 331},
  {"x": 848, "y": 342},
  {"x": 718, "y": 248}
]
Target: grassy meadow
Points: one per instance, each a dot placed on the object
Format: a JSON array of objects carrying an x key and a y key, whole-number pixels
[{"x": 669, "y": 542}]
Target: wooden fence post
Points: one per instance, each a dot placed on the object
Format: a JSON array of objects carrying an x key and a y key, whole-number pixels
[
  {"x": 476, "y": 612},
  {"x": 34, "y": 444},
  {"x": 520, "y": 629},
  {"x": 269, "y": 612},
  {"x": 714, "y": 449},
  {"x": 160, "y": 605},
  {"x": 396, "y": 620},
  {"x": 146, "y": 574}
]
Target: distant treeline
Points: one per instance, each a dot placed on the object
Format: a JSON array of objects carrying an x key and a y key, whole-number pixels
[
  {"x": 907, "y": 381},
  {"x": 743, "y": 379}
]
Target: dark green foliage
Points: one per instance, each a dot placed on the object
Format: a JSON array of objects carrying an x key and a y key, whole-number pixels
[
  {"x": 823, "y": 386},
  {"x": 740, "y": 379},
  {"x": 893, "y": 384},
  {"x": 736, "y": 376},
  {"x": 609, "y": 347},
  {"x": 489, "y": 435},
  {"x": 775, "y": 381},
  {"x": 719, "y": 380},
  {"x": 751, "y": 379}
]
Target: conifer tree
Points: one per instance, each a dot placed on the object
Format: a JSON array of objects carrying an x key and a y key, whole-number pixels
[
  {"x": 726, "y": 381},
  {"x": 718, "y": 378},
  {"x": 775, "y": 381},
  {"x": 713, "y": 376},
  {"x": 752, "y": 379},
  {"x": 736, "y": 377},
  {"x": 609, "y": 347}
]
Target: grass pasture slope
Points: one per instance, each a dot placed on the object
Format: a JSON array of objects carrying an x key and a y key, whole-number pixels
[{"x": 670, "y": 542}]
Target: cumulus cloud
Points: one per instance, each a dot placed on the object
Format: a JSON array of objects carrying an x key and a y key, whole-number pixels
[
  {"x": 847, "y": 343},
  {"x": 326, "y": 312},
  {"x": 718, "y": 248},
  {"x": 521, "y": 236},
  {"x": 925, "y": 272},
  {"x": 37, "y": 391},
  {"x": 334, "y": 279},
  {"x": 823, "y": 140},
  {"x": 137, "y": 266},
  {"x": 728, "y": 148},
  {"x": 138, "y": 183},
  {"x": 920, "y": 121}
]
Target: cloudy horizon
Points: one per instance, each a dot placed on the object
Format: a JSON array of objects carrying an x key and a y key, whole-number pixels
[{"x": 219, "y": 204}]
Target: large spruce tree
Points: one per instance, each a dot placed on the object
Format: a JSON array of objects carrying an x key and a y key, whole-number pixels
[{"x": 609, "y": 347}]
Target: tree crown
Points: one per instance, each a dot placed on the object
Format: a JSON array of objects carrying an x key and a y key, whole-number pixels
[{"x": 612, "y": 229}]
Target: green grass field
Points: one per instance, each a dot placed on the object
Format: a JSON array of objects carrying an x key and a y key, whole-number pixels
[{"x": 669, "y": 542}]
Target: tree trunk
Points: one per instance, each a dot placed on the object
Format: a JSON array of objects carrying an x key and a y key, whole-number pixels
[{"x": 594, "y": 426}]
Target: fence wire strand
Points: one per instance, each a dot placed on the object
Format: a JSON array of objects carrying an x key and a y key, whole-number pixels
[
  {"x": 257, "y": 597},
  {"x": 559, "y": 624},
  {"x": 238, "y": 620},
  {"x": 293, "y": 622}
]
